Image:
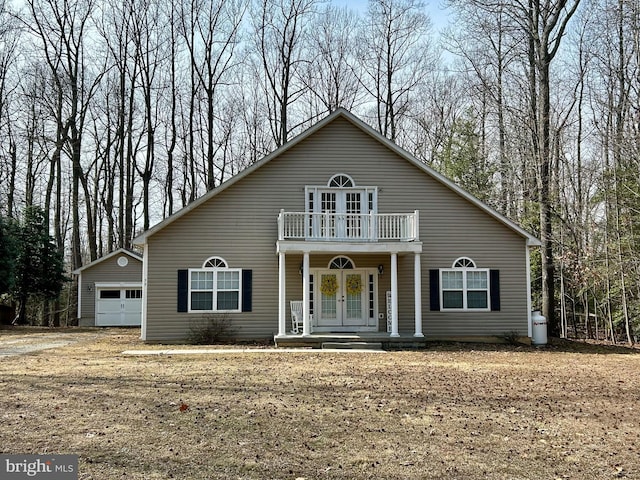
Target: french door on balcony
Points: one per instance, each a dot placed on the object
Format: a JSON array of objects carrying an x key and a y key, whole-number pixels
[
  {"x": 340, "y": 214},
  {"x": 344, "y": 214}
]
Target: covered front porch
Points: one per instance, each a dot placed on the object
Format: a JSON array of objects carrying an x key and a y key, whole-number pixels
[
  {"x": 342, "y": 222},
  {"x": 318, "y": 318},
  {"x": 303, "y": 235}
]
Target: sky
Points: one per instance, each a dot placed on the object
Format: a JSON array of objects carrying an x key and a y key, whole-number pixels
[{"x": 439, "y": 16}]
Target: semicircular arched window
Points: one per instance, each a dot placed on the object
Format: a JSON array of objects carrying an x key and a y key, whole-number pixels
[
  {"x": 341, "y": 180},
  {"x": 215, "y": 262},
  {"x": 464, "y": 262},
  {"x": 341, "y": 263}
]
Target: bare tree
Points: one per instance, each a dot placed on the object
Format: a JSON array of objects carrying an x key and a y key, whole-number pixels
[
  {"x": 256, "y": 133},
  {"x": 172, "y": 132},
  {"x": 61, "y": 29},
  {"x": 151, "y": 53},
  {"x": 547, "y": 21},
  {"x": 543, "y": 24},
  {"x": 9, "y": 38},
  {"x": 330, "y": 77},
  {"x": 488, "y": 44},
  {"x": 211, "y": 33},
  {"x": 395, "y": 56},
  {"x": 617, "y": 50},
  {"x": 280, "y": 35},
  {"x": 116, "y": 29},
  {"x": 438, "y": 106}
]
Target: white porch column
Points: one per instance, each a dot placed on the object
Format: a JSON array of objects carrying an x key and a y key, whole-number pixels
[
  {"x": 306, "y": 323},
  {"x": 394, "y": 295},
  {"x": 145, "y": 277},
  {"x": 417, "y": 281},
  {"x": 282, "y": 292}
]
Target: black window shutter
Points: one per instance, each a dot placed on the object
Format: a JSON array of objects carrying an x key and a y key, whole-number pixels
[
  {"x": 434, "y": 289},
  {"x": 494, "y": 293},
  {"x": 183, "y": 290},
  {"x": 247, "y": 290}
]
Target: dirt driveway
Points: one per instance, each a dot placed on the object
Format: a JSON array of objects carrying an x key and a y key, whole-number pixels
[{"x": 22, "y": 341}]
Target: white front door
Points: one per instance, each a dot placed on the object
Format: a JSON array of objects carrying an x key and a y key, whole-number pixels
[{"x": 342, "y": 301}]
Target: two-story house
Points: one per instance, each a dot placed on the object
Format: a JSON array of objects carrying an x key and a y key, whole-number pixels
[{"x": 367, "y": 239}]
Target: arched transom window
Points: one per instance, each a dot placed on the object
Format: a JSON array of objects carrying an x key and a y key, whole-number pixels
[
  {"x": 464, "y": 262},
  {"x": 341, "y": 180},
  {"x": 215, "y": 262},
  {"x": 341, "y": 263}
]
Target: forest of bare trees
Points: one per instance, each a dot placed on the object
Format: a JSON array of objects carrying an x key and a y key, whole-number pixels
[{"x": 114, "y": 116}]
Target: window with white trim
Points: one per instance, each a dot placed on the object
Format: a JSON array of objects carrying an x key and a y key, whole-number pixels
[
  {"x": 341, "y": 195},
  {"x": 464, "y": 286},
  {"x": 215, "y": 287},
  {"x": 340, "y": 209}
]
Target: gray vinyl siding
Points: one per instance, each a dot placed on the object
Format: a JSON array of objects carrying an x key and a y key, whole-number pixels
[
  {"x": 240, "y": 225},
  {"x": 107, "y": 271}
]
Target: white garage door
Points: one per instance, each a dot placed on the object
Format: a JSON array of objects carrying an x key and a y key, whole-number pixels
[{"x": 117, "y": 307}]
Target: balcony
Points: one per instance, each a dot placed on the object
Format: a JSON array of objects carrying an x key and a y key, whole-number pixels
[{"x": 348, "y": 227}]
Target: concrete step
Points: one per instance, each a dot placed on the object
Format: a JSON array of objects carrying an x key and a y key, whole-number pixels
[{"x": 352, "y": 345}]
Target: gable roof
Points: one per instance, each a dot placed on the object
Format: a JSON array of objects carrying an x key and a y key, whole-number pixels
[
  {"x": 341, "y": 113},
  {"x": 120, "y": 251}
]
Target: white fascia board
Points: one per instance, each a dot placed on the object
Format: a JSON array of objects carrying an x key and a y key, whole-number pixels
[
  {"x": 116, "y": 284},
  {"x": 120, "y": 251}
]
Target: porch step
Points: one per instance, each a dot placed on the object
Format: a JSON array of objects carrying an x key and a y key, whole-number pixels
[{"x": 352, "y": 345}]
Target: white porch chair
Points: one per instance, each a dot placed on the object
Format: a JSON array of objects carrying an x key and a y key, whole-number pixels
[{"x": 296, "y": 316}]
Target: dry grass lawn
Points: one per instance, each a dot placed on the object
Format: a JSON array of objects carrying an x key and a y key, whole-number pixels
[{"x": 451, "y": 412}]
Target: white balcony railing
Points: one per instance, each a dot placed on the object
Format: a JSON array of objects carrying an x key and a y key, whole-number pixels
[{"x": 347, "y": 227}]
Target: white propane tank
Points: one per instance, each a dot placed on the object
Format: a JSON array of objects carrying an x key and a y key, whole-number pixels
[{"x": 539, "y": 328}]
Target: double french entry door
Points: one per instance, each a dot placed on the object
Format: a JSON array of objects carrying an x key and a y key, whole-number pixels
[{"x": 342, "y": 300}]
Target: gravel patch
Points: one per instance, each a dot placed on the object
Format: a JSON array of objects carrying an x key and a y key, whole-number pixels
[{"x": 24, "y": 344}]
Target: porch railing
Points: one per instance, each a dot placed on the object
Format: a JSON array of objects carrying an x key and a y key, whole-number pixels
[{"x": 381, "y": 227}]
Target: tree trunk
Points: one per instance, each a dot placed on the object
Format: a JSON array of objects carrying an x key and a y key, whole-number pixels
[
  {"x": 544, "y": 198},
  {"x": 13, "y": 158}
]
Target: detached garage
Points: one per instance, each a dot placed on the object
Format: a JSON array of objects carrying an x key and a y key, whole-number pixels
[{"x": 110, "y": 291}]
